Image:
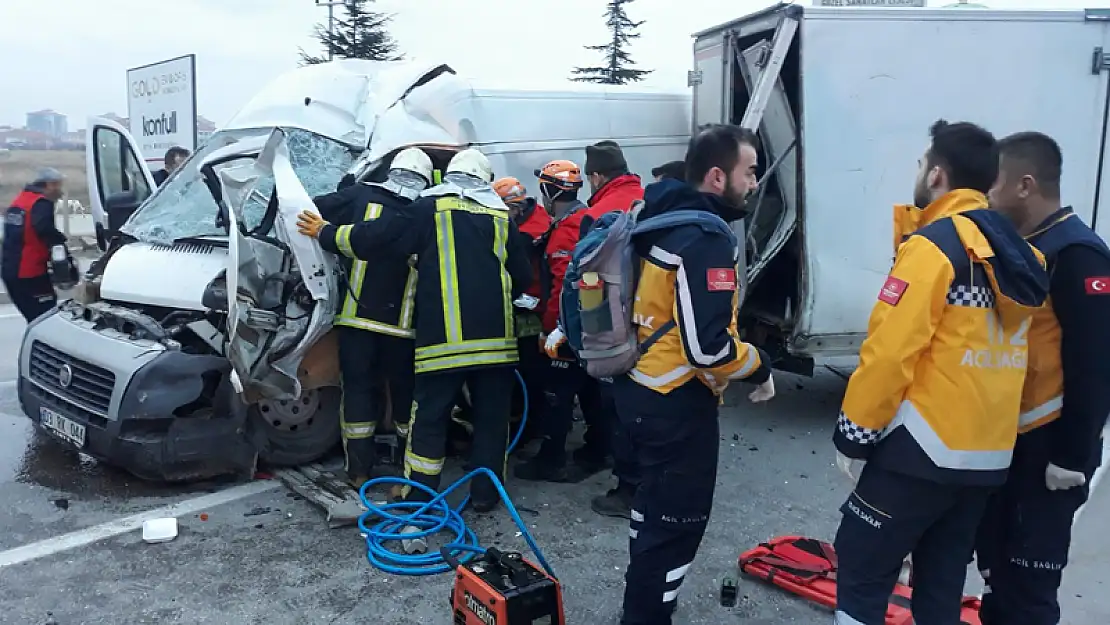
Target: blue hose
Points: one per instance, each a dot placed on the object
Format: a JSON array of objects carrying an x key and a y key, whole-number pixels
[{"x": 431, "y": 518}]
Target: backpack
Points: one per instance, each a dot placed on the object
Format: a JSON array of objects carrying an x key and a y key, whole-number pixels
[{"x": 599, "y": 289}]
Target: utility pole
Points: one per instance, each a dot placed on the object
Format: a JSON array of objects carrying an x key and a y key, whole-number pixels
[{"x": 331, "y": 22}]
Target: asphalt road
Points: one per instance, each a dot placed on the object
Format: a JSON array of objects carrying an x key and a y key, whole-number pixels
[{"x": 255, "y": 554}]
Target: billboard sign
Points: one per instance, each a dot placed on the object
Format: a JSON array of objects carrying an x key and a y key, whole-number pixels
[
  {"x": 869, "y": 3},
  {"x": 162, "y": 106}
]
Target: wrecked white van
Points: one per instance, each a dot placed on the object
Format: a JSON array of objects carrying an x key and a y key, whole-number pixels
[{"x": 210, "y": 296}]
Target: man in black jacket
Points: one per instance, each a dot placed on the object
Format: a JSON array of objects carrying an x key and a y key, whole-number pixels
[
  {"x": 173, "y": 159},
  {"x": 375, "y": 324},
  {"x": 29, "y": 234}
]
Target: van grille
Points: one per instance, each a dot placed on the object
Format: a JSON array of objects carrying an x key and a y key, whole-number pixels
[{"x": 89, "y": 386}]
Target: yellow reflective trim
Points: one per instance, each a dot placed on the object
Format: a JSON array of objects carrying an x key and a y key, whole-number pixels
[
  {"x": 373, "y": 211},
  {"x": 501, "y": 251},
  {"x": 420, "y": 464},
  {"x": 408, "y": 300},
  {"x": 448, "y": 278},
  {"x": 374, "y": 326},
  {"x": 467, "y": 360},
  {"x": 437, "y": 177},
  {"x": 473, "y": 345},
  {"x": 343, "y": 241}
]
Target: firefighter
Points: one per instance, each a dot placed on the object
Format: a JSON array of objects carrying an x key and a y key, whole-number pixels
[
  {"x": 930, "y": 416},
  {"x": 668, "y": 403},
  {"x": 29, "y": 235},
  {"x": 1025, "y": 535},
  {"x": 559, "y": 182},
  {"x": 375, "y": 324},
  {"x": 471, "y": 268},
  {"x": 533, "y": 221}
]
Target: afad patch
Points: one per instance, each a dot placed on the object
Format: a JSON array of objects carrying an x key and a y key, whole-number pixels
[
  {"x": 893, "y": 290},
  {"x": 1098, "y": 285},
  {"x": 721, "y": 279}
]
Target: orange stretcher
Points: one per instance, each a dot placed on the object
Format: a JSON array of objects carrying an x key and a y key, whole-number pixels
[{"x": 807, "y": 567}]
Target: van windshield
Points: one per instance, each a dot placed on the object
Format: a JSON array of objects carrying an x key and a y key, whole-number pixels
[{"x": 183, "y": 206}]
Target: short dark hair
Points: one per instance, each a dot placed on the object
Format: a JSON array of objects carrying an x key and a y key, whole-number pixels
[
  {"x": 673, "y": 169},
  {"x": 716, "y": 145},
  {"x": 1039, "y": 156},
  {"x": 175, "y": 152},
  {"x": 967, "y": 153}
]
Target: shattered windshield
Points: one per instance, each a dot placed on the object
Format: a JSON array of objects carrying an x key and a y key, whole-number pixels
[{"x": 183, "y": 206}]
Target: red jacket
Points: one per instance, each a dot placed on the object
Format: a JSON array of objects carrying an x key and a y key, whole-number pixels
[
  {"x": 616, "y": 195},
  {"x": 533, "y": 223},
  {"x": 557, "y": 254}
]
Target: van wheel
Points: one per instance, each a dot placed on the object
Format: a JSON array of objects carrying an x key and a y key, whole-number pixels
[{"x": 299, "y": 431}]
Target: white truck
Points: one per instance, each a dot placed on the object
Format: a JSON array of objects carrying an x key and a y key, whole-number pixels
[
  {"x": 842, "y": 99},
  {"x": 210, "y": 296}
]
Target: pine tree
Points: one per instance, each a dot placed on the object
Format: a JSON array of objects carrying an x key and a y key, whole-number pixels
[
  {"x": 618, "y": 68},
  {"x": 361, "y": 34}
]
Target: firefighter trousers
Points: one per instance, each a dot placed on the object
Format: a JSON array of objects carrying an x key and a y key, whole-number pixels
[
  {"x": 1023, "y": 545},
  {"x": 889, "y": 516},
  {"x": 675, "y": 441},
  {"x": 32, "y": 296},
  {"x": 427, "y": 443},
  {"x": 369, "y": 363},
  {"x": 566, "y": 379}
]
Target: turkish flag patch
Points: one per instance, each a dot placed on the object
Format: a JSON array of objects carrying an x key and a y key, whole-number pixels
[
  {"x": 893, "y": 290},
  {"x": 1098, "y": 285},
  {"x": 721, "y": 279}
]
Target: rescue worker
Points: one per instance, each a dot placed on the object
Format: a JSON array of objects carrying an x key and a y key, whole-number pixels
[
  {"x": 375, "y": 324},
  {"x": 559, "y": 182},
  {"x": 1025, "y": 536},
  {"x": 930, "y": 416},
  {"x": 532, "y": 221},
  {"x": 674, "y": 169},
  {"x": 668, "y": 403},
  {"x": 29, "y": 235},
  {"x": 471, "y": 268}
]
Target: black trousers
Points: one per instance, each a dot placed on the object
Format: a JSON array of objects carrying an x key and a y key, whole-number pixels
[
  {"x": 32, "y": 296},
  {"x": 435, "y": 397},
  {"x": 886, "y": 518},
  {"x": 566, "y": 380},
  {"x": 625, "y": 468},
  {"x": 533, "y": 367},
  {"x": 1023, "y": 545},
  {"x": 675, "y": 441},
  {"x": 370, "y": 362}
]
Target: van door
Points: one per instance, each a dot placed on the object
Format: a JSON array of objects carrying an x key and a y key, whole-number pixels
[{"x": 114, "y": 166}]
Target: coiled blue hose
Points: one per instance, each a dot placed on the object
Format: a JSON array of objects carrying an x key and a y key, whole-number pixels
[{"x": 431, "y": 518}]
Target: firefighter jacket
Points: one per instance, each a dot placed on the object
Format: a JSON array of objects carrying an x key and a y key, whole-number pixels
[
  {"x": 559, "y": 241},
  {"x": 533, "y": 222},
  {"x": 29, "y": 233},
  {"x": 471, "y": 268},
  {"x": 616, "y": 195},
  {"x": 1069, "y": 339},
  {"x": 938, "y": 387},
  {"x": 381, "y": 290},
  {"x": 688, "y": 278}
]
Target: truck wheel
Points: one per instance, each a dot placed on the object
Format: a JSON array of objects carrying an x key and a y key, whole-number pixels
[{"x": 302, "y": 430}]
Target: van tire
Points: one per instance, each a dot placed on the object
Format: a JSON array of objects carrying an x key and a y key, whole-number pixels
[{"x": 310, "y": 441}]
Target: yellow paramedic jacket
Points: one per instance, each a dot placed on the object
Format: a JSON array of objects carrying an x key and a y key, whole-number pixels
[{"x": 937, "y": 391}]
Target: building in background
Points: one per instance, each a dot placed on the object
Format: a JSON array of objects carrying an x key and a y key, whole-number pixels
[
  {"x": 47, "y": 122},
  {"x": 205, "y": 128}
]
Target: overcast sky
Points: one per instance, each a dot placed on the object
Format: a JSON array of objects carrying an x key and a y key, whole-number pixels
[{"x": 72, "y": 55}]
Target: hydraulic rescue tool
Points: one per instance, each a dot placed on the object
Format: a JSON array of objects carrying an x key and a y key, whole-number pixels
[{"x": 807, "y": 568}]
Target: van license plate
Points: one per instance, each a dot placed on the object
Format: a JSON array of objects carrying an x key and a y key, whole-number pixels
[{"x": 67, "y": 429}]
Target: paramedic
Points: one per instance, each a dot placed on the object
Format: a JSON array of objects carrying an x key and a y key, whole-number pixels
[
  {"x": 470, "y": 269},
  {"x": 375, "y": 322},
  {"x": 930, "y": 415},
  {"x": 673, "y": 169},
  {"x": 532, "y": 221},
  {"x": 29, "y": 233},
  {"x": 669, "y": 401},
  {"x": 566, "y": 378},
  {"x": 1025, "y": 535}
]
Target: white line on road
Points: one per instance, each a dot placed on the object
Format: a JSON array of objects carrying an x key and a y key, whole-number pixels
[
  {"x": 15, "y": 316},
  {"x": 89, "y": 535}
]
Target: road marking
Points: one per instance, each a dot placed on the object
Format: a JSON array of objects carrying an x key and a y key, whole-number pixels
[
  {"x": 5, "y": 384},
  {"x": 15, "y": 316},
  {"x": 87, "y": 536}
]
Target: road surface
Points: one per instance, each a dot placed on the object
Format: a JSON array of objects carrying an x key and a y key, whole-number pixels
[{"x": 70, "y": 552}]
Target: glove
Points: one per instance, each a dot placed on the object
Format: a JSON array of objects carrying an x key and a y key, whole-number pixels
[
  {"x": 851, "y": 468},
  {"x": 554, "y": 340},
  {"x": 763, "y": 392},
  {"x": 310, "y": 224},
  {"x": 1059, "y": 478}
]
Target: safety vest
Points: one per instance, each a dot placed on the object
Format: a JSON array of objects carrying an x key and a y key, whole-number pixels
[
  {"x": 464, "y": 309},
  {"x": 388, "y": 305},
  {"x": 1043, "y": 395},
  {"x": 25, "y": 255}
]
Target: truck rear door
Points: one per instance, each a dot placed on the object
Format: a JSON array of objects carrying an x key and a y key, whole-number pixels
[{"x": 710, "y": 78}]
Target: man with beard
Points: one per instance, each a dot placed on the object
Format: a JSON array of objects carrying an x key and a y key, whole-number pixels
[
  {"x": 668, "y": 402},
  {"x": 929, "y": 419}
]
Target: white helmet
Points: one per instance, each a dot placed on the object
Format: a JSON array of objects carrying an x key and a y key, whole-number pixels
[
  {"x": 472, "y": 163},
  {"x": 414, "y": 160}
]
